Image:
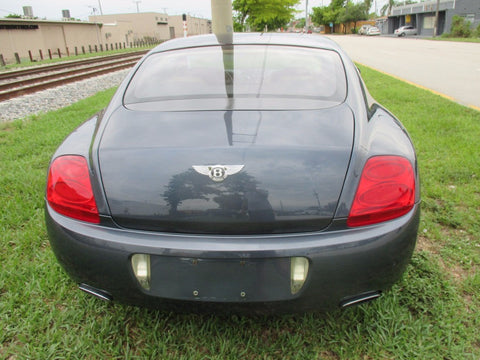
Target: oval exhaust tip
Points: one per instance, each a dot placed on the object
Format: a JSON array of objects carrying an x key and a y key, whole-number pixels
[
  {"x": 360, "y": 299},
  {"x": 101, "y": 294}
]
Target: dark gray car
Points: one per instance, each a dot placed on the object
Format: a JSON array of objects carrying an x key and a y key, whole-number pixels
[{"x": 255, "y": 174}]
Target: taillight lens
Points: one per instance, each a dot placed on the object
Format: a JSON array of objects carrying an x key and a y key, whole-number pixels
[
  {"x": 69, "y": 190},
  {"x": 386, "y": 191}
]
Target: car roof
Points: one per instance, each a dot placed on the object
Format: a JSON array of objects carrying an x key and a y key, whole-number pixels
[{"x": 289, "y": 39}]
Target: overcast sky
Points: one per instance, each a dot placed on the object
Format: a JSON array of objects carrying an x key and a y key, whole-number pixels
[{"x": 81, "y": 9}]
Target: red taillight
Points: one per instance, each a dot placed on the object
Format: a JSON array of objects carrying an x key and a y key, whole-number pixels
[
  {"x": 386, "y": 191},
  {"x": 69, "y": 191}
]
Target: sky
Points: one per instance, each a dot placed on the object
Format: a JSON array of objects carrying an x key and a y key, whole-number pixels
[{"x": 81, "y": 9}]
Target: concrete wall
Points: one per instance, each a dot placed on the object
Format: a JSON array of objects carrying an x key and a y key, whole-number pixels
[
  {"x": 470, "y": 9},
  {"x": 133, "y": 27},
  {"x": 20, "y": 36},
  {"x": 421, "y": 14},
  {"x": 195, "y": 26}
]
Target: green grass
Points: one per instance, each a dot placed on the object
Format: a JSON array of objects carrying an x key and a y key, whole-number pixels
[
  {"x": 431, "y": 314},
  {"x": 454, "y": 39}
]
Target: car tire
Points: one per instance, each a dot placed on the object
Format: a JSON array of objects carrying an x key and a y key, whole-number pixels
[{"x": 403, "y": 34}]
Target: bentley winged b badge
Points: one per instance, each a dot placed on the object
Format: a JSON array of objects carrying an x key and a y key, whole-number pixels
[{"x": 218, "y": 173}]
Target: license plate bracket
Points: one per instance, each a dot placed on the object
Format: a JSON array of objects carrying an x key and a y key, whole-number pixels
[{"x": 221, "y": 280}]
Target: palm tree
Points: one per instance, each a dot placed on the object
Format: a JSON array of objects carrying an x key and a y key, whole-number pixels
[{"x": 387, "y": 8}]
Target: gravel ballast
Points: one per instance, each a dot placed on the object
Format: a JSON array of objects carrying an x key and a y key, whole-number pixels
[{"x": 56, "y": 98}]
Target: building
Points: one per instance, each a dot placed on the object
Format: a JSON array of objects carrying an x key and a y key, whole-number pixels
[
  {"x": 32, "y": 37},
  {"x": 39, "y": 36},
  {"x": 149, "y": 26},
  {"x": 195, "y": 26},
  {"x": 134, "y": 27},
  {"x": 422, "y": 16}
]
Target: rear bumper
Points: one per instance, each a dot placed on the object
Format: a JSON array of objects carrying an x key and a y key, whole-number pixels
[{"x": 238, "y": 272}]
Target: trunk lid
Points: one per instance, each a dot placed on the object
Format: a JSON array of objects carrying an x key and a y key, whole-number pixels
[{"x": 158, "y": 169}]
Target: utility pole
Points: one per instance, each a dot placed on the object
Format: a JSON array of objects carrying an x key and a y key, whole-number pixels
[
  {"x": 306, "y": 16},
  {"x": 435, "y": 27},
  {"x": 94, "y": 10},
  {"x": 222, "y": 20},
  {"x": 137, "y": 2},
  {"x": 100, "y": 7}
]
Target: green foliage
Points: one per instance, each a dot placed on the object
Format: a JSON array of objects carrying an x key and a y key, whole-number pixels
[
  {"x": 261, "y": 14},
  {"x": 460, "y": 27},
  {"x": 341, "y": 11},
  {"x": 461, "y": 31},
  {"x": 325, "y": 15},
  {"x": 300, "y": 24},
  {"x": 353, "y": 13},
  {"x": 387, "y": 8},
  {"x": 13, "y": 16}
]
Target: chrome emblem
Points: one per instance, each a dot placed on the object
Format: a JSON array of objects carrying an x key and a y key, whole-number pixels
[{"x": 218, "y": 173}]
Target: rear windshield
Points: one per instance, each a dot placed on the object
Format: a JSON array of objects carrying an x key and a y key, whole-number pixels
[{"x": 239, "y": 77}]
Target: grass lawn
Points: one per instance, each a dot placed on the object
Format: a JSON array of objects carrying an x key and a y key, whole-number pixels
[
  {"x": 433, "y": 313},
  {"x": 445, "y": 38}
]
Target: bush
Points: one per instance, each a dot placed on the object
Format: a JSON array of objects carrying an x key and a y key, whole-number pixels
[
  {"x": 477, "y": 31},
  {"x": 460, "y": 27}
]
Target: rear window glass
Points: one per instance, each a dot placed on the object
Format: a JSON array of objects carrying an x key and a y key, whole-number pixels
[{"x": 240, "y": 77}]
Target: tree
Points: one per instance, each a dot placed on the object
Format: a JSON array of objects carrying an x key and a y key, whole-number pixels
[
  {"x": 325, "y": 15},
  {"x": 259, "y": 14},
  {"x": 13, "y": 16},
  {"x": 341, "y": 12},
  {"x": 328, "y": 14},
  {"x": 353, "y": 13},
  {"x": 300, "y": 24},
  {"x": 387, "y": 8}
]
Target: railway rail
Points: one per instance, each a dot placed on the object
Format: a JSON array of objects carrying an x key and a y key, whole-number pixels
[{"x": 28, "y": 81}]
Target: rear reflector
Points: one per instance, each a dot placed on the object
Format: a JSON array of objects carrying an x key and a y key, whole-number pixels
[
  {"x": 386, "y": 191},
  {"x": 69, "y": 191},
  {"x": 141, "y": 269},
  {"x": 298, "y": 273}
]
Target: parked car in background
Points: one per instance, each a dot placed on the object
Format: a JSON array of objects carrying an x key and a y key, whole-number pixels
[
  {"x": 213, "y": 178},
  {"x": 373, "y": 30},
  {"x": 405, "y": 30},
  {"x": 363, "y": 29}
]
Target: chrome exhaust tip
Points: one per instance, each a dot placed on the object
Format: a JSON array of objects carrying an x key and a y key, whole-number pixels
[
  {"x": 360, "y": 299},
  {"x": 101, "y": 294}
]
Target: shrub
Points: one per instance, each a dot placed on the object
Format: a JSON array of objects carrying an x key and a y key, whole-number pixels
[{"x": 460, "y": 27}]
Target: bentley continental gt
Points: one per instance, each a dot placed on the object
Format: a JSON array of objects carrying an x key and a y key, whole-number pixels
[{"x": 253, "y": 174}]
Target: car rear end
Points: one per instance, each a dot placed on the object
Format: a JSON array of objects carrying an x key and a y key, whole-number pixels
[
  {"x": 373, "y": 31},
  {"x": 236, "y": 175}
]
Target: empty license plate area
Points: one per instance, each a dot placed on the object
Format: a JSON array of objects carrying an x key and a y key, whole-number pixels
[{"x": 221, "y": 280}]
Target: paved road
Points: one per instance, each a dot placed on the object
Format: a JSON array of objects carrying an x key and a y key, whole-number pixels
[{"x": 449, "y": 68}]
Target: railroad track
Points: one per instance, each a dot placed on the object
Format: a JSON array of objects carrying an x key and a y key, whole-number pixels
[{"x": 28, "y": 81}]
